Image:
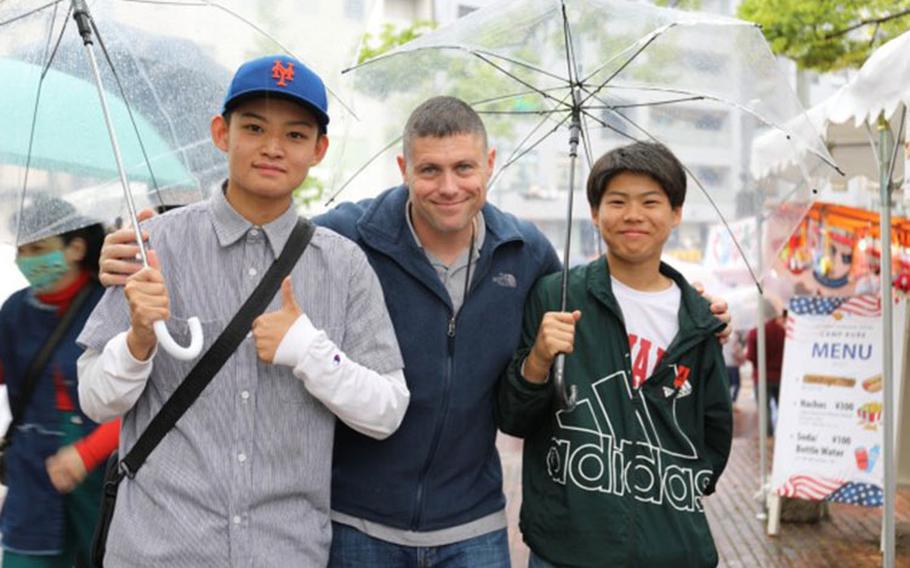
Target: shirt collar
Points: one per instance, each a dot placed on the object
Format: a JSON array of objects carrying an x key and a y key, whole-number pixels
[
  {"x": 480, "y": 226},
  {"x": 230, "y": 225}
]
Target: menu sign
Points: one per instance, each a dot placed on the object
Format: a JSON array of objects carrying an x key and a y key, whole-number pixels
[{"x": 828, "y": 442}]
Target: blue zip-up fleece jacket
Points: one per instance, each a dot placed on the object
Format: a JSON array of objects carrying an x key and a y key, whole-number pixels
[
  {"x": 33, "y": 519},
  {"x": 441, "y": 468}
]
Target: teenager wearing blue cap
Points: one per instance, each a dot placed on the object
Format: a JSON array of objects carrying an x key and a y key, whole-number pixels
[{"x": 243, "y": 478}]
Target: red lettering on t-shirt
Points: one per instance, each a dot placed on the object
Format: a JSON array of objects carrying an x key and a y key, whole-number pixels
[
  {"x": 640, "y": 367},
  {"x": 660, "y": 356}
]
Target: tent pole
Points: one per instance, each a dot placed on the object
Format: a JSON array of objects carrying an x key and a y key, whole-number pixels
[{"x": 888, "y": 417}]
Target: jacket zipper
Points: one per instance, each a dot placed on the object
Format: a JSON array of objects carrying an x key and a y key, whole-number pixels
[{"x": 440, "y": 422}]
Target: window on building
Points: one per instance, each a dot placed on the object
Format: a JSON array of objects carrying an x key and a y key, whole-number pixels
[
  {"x": 355, "y": 9},
  {"x": 614, "y": 124},
  {"x": 707, "y": 62},
  {"x": 712, "y": 176},
  {"x": 708, "y": 121}
]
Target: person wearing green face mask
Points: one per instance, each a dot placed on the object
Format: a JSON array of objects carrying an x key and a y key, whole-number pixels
[{"x": 51, "y": 463}]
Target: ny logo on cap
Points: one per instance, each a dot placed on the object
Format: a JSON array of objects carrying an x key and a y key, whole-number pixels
[{"x": 283, "y": 74}]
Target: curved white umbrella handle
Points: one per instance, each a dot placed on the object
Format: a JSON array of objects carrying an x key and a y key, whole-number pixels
[{"x": 187, "y": 353}]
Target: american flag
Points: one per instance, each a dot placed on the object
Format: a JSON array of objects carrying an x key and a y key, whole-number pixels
[
  {"x": 860, "y": 306},
  {"x": 863, "y": 306},
  {"x": 862, "y": 494},
  {"x": 809, "y": 487}
]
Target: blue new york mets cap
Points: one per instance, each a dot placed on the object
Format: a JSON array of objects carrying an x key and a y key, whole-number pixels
[{"x": 283, "y": 76}]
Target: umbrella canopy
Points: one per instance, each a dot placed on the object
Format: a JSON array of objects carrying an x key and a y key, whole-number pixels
[
  {"x": 170, "y": 64},
  {"x": 72, "y": 149},
  {"x": 700, "y": 84},
  {"x": 75, "y": 142}
]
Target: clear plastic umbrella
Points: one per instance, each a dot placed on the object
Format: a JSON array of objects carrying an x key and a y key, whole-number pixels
[
  {"x": 159, "y": 70},
  {"x": 555, "y": 79}
]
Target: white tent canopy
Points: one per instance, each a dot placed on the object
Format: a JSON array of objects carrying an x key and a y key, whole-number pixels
[{"x": 847, "y": 119}]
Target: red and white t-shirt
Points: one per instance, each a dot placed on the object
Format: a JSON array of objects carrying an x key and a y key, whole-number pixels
[{"x": 652, "y": 320}]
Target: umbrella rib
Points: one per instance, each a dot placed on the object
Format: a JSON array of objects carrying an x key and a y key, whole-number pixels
[
  {"x": 736, "y": 105},
  {"x": 474, "y": 104},
  {"x": 726, "y": 226},
  {"x": 53, "y": 53},
  {"x": 359, "y": 170},
  {"x": 623, "y": 66},
  {"x": 518, "y": 79},
  {"x": 471, "y": 51},
  {"x": 589, "y": 156},
  {"x": 586, "y": 142},
  {"x": 31, "y": 134},
  {"x": 168, "y": 2},
  {"x": 651, "y": 104},
  {"x": 520, "y": 112},
  {"x": 524, "y": 151},
  {"x": 531, "y": 133},
  {"x": 707, "y": 196},
  {"x": 654, "y": 35},
  {"x": 30, "y": 12},
  {"x": 50, "y": 34},
  {"x": 519, "y": 63},
  {"x": 171, "y": 130},
  {"x": 129, "y": 110},
  {"x": 570, "y": 51},
  {"x": 608, "y": 126}
]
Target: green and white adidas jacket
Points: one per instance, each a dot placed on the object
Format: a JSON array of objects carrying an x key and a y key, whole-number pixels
[{"x": 619, "y": 480}]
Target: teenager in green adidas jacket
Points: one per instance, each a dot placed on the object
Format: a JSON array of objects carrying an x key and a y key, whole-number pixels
[{"x": 619, "y": 480}]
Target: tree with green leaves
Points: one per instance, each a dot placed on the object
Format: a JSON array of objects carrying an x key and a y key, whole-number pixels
[
  {"x": 390, "y": 37},
  {"x": 827, "y": 35}
]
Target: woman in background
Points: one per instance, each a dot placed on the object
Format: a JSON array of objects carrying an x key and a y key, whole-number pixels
[{"x": 51, "y": 461}]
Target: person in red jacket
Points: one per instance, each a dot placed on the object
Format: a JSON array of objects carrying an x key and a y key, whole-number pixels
[{"x": 775, "y": 335}]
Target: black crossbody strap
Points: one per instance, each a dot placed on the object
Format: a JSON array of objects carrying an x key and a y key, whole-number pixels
[
  {"x": 213, "y": 359},
  {"x": 41, "y": 359}
]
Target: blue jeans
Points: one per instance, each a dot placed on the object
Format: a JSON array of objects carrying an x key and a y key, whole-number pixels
[
  {"x": 354, "y": 549},
  {"x": 733, "y": 376}
]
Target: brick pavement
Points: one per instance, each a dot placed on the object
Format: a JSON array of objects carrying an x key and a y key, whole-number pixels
[{"x": 848, "y": 539}]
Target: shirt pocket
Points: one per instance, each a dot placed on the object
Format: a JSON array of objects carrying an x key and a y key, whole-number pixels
[
  {"x": 169, "y": 371},
  {"x": 285, "y": 387}
]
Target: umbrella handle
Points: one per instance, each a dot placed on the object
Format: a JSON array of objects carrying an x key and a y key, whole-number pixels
[
  {"x": 566, "y": 401},
  {"x": 183, "y": 353}
]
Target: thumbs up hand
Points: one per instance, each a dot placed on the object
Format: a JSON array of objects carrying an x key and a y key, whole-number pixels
[{"x": 270, "y": 328}]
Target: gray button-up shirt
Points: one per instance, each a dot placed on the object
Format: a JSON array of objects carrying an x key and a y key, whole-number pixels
[{"x": 244, "y": 477}]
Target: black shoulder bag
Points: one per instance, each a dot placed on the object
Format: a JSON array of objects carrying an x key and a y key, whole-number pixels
[
  {"x": 199, "y": 377},
  {"x": 36, "y": 369}
]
